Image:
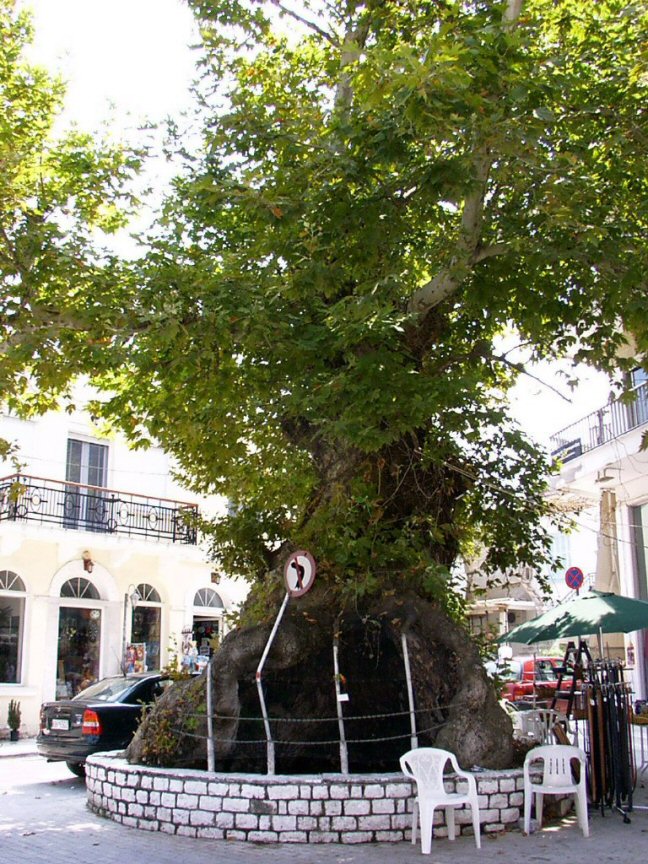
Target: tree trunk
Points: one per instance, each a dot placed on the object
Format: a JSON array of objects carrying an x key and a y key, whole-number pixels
[{"x": 456, "y": 706}]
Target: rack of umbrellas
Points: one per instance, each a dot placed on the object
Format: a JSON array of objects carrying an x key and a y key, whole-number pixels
[
  {"x": 606, "y": 700},
  {"x": 598, "y": 699}
]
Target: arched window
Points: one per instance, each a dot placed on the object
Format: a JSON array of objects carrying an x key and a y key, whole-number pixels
[
  {"x": 146, "y": 621},
  {"x": 208, "y": 597},
  {"x": 12, "y": 623},
  {"x": 80, "y": 588},
  {"x": 10, "y": 581},
  {"x": 148, "y": 594}
]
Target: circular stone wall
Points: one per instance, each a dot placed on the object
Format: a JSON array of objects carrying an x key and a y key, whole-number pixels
[{"x": 325, "y": 808}]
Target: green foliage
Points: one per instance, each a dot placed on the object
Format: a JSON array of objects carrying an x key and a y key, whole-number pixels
[
  {"x": 165, "y": 731},
  {"x": 13, "y": 714},
  {"x": 60, "y": 298},
  {"x": 174, "y": 668},
  {"x": 159, "y": 733},
  {"x": 377, "y": 200}
]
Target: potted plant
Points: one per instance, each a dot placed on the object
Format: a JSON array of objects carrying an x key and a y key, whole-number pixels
[{"x": 13, "y": 719}]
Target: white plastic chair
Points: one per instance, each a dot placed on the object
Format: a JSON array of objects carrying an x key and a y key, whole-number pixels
[
  {"x": 538, "y": 724},
  {"x": 425, "y": 766},
  {"x": 557, "y": 779}
]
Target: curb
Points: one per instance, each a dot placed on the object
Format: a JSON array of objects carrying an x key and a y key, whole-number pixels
[{"x": 18, "y": 748}]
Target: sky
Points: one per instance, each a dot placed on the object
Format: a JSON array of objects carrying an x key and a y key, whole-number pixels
[
  {"x": 132, "y": 54},
  {"x": 130, "y": 61}
]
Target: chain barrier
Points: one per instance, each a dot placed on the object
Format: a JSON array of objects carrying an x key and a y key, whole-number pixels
[
  {"x": 333, "y": 719},
  {"x": 327, "y": 743}
]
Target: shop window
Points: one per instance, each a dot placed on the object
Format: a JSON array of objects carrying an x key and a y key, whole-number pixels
[
  {"x": 12, "y": 621},
  {"x": 146, "y": 625}
]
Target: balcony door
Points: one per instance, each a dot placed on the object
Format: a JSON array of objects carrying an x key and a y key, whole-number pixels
[
  {"x": 639, "y": 406},
  {"x": 87, "y": 464}
]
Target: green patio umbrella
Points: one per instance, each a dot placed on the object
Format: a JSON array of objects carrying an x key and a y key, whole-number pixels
[{"x": 592, "y": 614}]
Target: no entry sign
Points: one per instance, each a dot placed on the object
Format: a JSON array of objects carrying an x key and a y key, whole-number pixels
[{"x": 299, "y": 573}]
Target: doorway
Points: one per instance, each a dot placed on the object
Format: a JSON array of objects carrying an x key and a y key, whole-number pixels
[
  {"x": 206, "y": 635},
  {"x": 79, "y": 640}
]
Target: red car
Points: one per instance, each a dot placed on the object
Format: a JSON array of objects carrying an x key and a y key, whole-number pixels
[{"x": 525, "y": 677}]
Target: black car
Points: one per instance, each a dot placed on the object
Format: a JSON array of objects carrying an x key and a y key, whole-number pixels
[{"x": 104, "y": 716}]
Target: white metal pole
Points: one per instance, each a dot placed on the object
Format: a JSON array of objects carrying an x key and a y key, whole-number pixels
[
  {"x": 264, "y": 712},
  {"x": 344, "y": 753},
  {"x": 410, "y": 692},
  {"x": 124, "y": 623},
  {"x": 211, "y": 759}
]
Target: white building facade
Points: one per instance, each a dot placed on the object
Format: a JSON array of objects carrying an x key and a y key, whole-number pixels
[
  {"x": 100, "y": 564},
  {"x": 604, "y": 465}
]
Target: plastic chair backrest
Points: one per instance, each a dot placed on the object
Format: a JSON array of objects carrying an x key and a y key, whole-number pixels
[
  {"x": 426, "y": 766},
  {"x": 538, "y": 723},
  {"x": 557, "y": 763}
]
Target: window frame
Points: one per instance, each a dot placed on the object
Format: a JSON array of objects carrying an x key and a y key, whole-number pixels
[{"x": 9, "y": 592}]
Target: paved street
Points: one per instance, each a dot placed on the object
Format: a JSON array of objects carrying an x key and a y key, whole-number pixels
[{"x": 44, "y": 820}]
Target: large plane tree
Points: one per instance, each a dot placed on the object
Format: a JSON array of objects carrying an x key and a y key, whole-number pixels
[{"x": 384, "y": 190}]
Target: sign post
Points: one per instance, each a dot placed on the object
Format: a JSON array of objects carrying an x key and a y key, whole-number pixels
[{"x": 299, "y": 575}]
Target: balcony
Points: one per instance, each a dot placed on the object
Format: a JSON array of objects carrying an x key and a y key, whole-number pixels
[
  {"x": 602, "y": 426},
  {"x": 94, "y": 508}
]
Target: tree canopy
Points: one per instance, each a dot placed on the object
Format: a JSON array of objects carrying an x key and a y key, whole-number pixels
[
  {"x": 384, "y": 189},
  {"x": 58, "y": 194}
]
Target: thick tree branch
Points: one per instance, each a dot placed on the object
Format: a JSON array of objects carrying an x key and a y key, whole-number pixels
[
  {"x": 512, "y": 12},
  {"x": 490, "y": 252},
  {"x": 354, "y": 40},
  {"x": 468, "y": 245},
  {"x": 448, "y": 280}
]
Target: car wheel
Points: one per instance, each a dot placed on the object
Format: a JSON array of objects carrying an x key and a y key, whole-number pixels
[{"x": 77, "y": 768}]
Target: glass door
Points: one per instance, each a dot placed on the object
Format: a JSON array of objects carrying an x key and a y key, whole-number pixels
[
  {"x": 86, "y": 464},
  {"x": 79, "y": 641}
]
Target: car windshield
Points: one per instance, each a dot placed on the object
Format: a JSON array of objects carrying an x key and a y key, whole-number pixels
[
  {"x": 107, "y": 690},
  {"x": 510, "y": 670},
  {"x": 546, "y": 671}
]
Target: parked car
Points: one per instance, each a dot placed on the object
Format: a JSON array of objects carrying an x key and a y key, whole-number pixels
[
  {"x": 104, "y": 716},
  {"x": 525, "y": 678}
]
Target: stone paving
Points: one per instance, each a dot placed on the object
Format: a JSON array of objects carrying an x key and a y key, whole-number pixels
[{"x": 44, "y": 820}]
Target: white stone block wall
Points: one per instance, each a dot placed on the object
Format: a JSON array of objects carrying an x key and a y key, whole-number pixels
[{"x": 326, "y": 808}]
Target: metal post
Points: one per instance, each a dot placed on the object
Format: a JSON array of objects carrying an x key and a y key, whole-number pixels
[
  {"x": 264, "y": 712},
  {"x": 410, "y": 692},
  {"x": 124, "y": 623},
  {"x": 339, "y": 698},
  {"x": 211, "y": 759}
]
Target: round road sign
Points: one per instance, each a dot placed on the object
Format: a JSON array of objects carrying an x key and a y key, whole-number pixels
[
  {"x": 574, "y": 577},
  {"x": 299, "y": 573}
]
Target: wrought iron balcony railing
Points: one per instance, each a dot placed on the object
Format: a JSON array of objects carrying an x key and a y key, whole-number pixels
[
  {"x": 602, "y": 426},
  {"x": 93, "y": 508}
]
